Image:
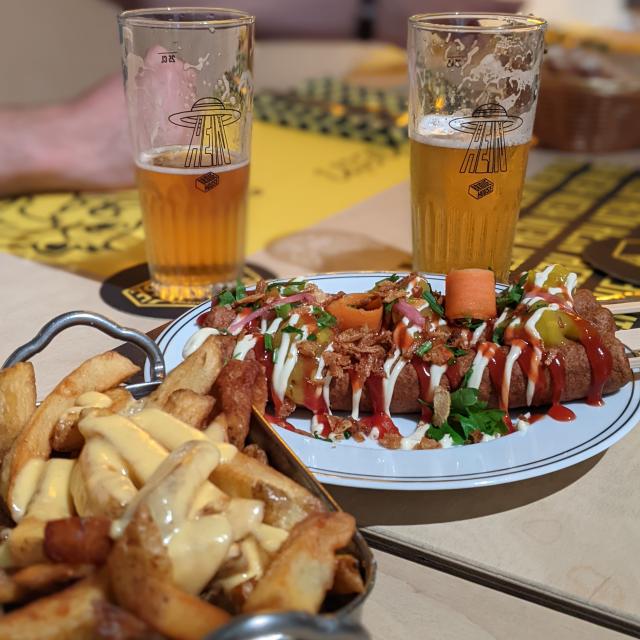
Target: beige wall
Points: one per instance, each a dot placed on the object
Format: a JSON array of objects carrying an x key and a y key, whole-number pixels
[{"x": 53, "y": 49}]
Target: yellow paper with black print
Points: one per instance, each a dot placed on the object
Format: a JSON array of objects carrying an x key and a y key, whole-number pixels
[{"x": 297, "y": 179}]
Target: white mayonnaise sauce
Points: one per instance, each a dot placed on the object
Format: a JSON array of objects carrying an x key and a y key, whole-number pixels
[
  {"x": 287, "y": 358},
  {"x": 477, "y": 333},
  {"x": 436, "y": 372},
  {"x": 356, "y": 395},
  {"x": 532, "y": 374},
  {"x": 243, "y": 346},
  {"x": 413, "y": 440},
  {"x": 488, "y": 438},
  {"x": 319, "y": 375},
  {"x": 530, "y": 324},
  {"x": 393, "y": 365},
  {"x": 542, "y": 276},
  {"x": 512, "y": 357},
  {"x": 479, "y": 364},
  {"x": 197, "y": 340}
]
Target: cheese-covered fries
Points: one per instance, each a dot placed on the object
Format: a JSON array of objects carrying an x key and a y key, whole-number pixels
[{"x": 146, "y": 517}]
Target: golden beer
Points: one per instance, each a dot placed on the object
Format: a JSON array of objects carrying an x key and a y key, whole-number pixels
[
  {"x": 194, "y": 221},
  {"x": 464, "y": 218}
]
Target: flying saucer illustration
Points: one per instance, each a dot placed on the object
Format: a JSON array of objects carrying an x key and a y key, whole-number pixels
[
  {"x": 487, "y": 149},
  {"x": 208, "y": 118}
]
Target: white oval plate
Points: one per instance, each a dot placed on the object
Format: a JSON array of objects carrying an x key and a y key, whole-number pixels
[{"x": 545, "y": 447}]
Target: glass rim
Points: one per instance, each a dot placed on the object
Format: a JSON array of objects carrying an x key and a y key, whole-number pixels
[
  {"x": 510, "y": 22},
  {"x": 156, "y": 18}
]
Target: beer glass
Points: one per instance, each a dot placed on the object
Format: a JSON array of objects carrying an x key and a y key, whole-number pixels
[
  {"x": 189, "y": 88},
  {"x": 474, "y": 82}
]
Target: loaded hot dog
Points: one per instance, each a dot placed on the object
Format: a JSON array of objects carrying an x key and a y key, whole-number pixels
[{"x": 390, "y": 349}]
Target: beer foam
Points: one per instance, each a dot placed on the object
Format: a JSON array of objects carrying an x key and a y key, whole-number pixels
[
  {"x": 149, "y": 160},
  {"x": 437, "y": 131}
]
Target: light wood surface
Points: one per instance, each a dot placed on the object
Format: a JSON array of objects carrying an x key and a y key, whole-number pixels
[{"x": 409, "y": 600}]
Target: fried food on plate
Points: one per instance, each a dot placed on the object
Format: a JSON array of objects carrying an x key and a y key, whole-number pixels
[
  {"x": 100, "y": 373},
  {"x": 303, "y": 571},
  {"x": 149, "y": 508},
  {"x": 17, "y": 402}
]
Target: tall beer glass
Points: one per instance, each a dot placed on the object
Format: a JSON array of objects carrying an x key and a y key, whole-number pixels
[
  {"x": 189, "y": 87},
  {"x": 474, "y": 82}
]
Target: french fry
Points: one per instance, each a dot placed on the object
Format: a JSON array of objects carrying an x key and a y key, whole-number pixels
[
  {"x": 114, "y": 623},
  {"x": 303, "y": 570},
  {"x": 190, "y": 407},
  {"x": 78, "y": 540},
  {"x": 17, "y": 402},
  {"x": 286, "y": 502},
  {"x": 99, "y": 373},
  {"x": 66, "y": 435},
  {"x": 347, "y": 578},
  {"x": 65, "y": 615},
  {"x": 140, "y": 572},
  {"x": 40, "y": 577},
  {"x": 198, "y": 372}
]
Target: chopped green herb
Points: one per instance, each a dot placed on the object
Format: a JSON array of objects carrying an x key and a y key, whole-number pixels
[
  {"x": 225, "y": 298},
  {"x": 512, "y": 295},
  {"x": 468, "y": 414},
  {"x": 392, "y": 278},
  {"x": 241, "y": 290},
  {"x": 465, "y": 378},
  {"x": 290, "y": 329},
  {"x": 541, "y": 304},
  {"x": 324, "y": 318},
  {"x": 433, "y": 303},
  {"x": 425, "y": 403},
  {"x": 346, "y": 434},
  {"x": 456, "y": 351},
  {"x": 294, "y": 287},
  {"x": 498, "y": 332},
  {"x": 424, "y": 348},
  {"x": 319, "y": 437},
  {"x": 312, "y": 337},
  {"x": 470, "y": 323},
  {"x": 268, "y": 342},
  {"x": 284, "y": 310},
  {"x": 451, "y": 362},
  {"x": 388, "y": 306}
]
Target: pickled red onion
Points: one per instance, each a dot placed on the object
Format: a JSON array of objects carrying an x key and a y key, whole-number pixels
[
  {"x": 241, "y": 321},
  {"x": 410, "y": 312}
]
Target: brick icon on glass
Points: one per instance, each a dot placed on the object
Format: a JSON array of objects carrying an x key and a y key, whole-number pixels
[
  {"x": 481, "y": 188},
  {"x": 207, "y": 182}
]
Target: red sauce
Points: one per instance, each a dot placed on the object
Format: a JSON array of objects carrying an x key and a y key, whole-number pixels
[
  {"x": 200, "y": 320},
  {"x": 281, "y": 422},
  {"x": 401, "y": 337},
  {"x": 424, "y": 380},
  {"x": 454, "y": 375},
  {"x": 496, "y": 372},
  {"x": 531, "y": 370},
  {"x": 506, "y": 419},
  {"x": 599, "y": 356},
  {"x": 265, "y": 357},
  {"x": 558, "y": 381},
  {"x": 378, "y": 418}
]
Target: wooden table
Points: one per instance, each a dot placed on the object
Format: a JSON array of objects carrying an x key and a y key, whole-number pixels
[{"x": 570, "y": 540}]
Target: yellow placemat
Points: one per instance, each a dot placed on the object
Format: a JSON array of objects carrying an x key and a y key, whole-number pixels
[{"x": 297, "y": 179}]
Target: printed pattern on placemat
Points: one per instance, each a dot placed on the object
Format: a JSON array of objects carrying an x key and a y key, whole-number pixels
[{"x": 567, "y": 207}]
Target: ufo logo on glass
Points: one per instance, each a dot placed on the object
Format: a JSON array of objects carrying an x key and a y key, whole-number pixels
[
  {"x": 208, "y": 118},
  {"x": 487, "y": 149}
]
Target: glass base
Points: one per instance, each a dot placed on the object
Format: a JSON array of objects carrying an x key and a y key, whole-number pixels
[{"x": 187, "y": 293}]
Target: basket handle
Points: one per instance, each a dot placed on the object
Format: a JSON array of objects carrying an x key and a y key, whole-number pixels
[
  {"x": 292, "y": 625},
  {"x": 86, "y": 318}
]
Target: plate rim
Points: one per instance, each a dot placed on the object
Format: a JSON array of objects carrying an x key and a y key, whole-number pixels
[{"x": 453, "y": 482}]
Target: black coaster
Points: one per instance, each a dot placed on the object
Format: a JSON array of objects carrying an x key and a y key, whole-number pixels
[
  {"x": 130, "y": 291},
  {"x": 617, "y": 257}
]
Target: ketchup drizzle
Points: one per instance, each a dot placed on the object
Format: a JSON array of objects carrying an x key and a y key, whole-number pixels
[
  {"x": 558, "y": 380},
  {"x": 378, "y": 418}
]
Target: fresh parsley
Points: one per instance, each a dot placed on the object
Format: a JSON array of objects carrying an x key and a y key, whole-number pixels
[
  {"x": 312, "y": 337},
  {"x": 290, "y": 329},
  {"x": 513, "y": 294},
  {"x": 284, "y": 310},
  {"x": 392, "y": 278},
  {"x": 346, "y": 434},
  {"x": 226, "y": 298},
  {"x": 241, "y": 290},
  {"x": 433, "y": 303},
  {"x": 466, "y": 415},
  {"x": 425, "y": 347},
  {"x": 268, "y": 342},
  {"x": 470, "y": 323},
  {"x": 324, "y": 318}
]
